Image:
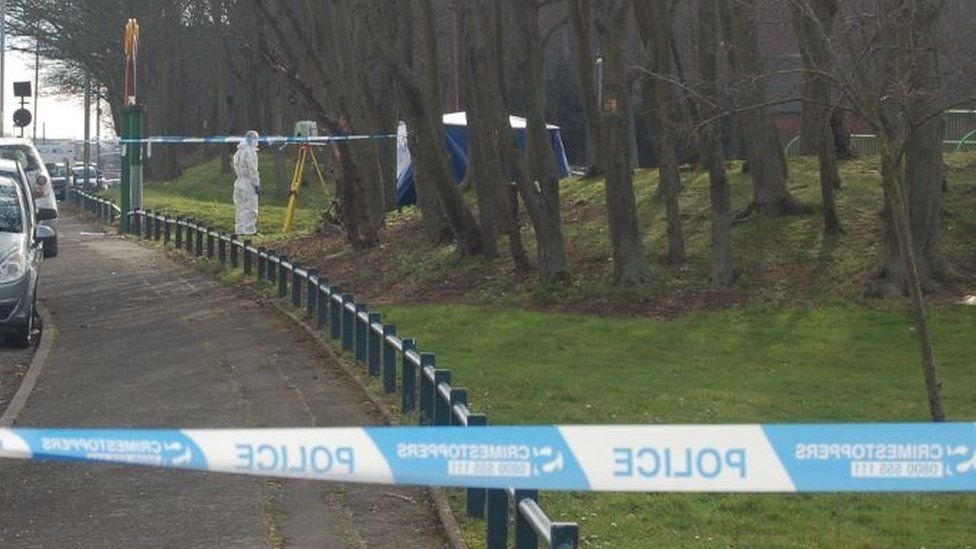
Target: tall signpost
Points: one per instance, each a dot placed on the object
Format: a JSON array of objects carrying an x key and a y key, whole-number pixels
[{"x": 131, "y": 185}]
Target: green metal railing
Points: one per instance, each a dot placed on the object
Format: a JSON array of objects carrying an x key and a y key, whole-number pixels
[{"x": 425, "y": 388}]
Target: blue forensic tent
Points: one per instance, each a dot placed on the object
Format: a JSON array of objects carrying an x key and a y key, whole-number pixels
[{"x": 456, "y": 143}]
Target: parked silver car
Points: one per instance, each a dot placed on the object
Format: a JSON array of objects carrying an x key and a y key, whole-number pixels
[
  {"x": 13, "y": 170},
  {"x": 22, "y": 248}
]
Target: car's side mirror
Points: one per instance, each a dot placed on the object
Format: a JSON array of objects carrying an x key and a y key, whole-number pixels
[
  {"x": 44, "y": 214},
  {"x": 46, "y": 236}
]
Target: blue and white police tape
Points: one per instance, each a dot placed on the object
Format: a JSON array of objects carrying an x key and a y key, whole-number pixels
[
  {"x": 222, "y": 139},
  {"x": 640, "y": 458}
]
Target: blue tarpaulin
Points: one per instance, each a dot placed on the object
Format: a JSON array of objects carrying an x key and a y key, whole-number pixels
[{"x": 456, "y": 143}]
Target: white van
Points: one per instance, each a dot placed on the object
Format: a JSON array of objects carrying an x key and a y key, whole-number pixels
[{"x": 24, "y": 153}]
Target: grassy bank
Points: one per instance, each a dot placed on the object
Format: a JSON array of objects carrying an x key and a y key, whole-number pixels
[{"x": 756, "y": 364}]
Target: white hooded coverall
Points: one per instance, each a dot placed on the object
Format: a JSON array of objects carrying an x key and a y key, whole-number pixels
[{"x": 247, "y": 185}]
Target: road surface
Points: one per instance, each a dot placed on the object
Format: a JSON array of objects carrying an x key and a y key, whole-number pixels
[{"x": 145, "y": 341}]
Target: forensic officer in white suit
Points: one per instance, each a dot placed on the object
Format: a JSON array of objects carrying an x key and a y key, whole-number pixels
[{"x": 247, "y": 187}]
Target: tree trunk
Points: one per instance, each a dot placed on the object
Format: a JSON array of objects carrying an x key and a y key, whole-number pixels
[
  {"x": 484, "y": 163},
  {"x": 923, "y": 164},
  {"x": 657, "y": 26},
  {"x": 764, "y": 151},
  {"x": 581, "y": 18},
  {"x": 713, "y": 157},
  {"x": 436, "y": 227},
  {"x": 630, "y": 264},
  {"x": 812, "y": 23},
  {"x": 542, "y": 201},
  {"x": 899, "y": 222}
]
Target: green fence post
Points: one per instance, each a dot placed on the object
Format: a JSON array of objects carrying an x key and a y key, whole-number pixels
[
  {"x": 335, "y": 312},
  {"x": 282, "y": 276},
  {"x": 440, "y": 408},
  {"x": 262, "y": 258},
  {"x": 373, "y": 344},
  {"x": 360, "y": 334},
  {"x": 525, "y": 536},
  {"x": 496, "y": 519},
  {"x": 271, "y": 273},
  {"x": 296, "y": 285},
  {"x": 167, "y": 230},
  {"x": 311, "y": 291},
  {"x": 221, "y": 247},
  {"x": 475, "y": 497},
  {"x": 210, "y": 242},
  {"x": 179, "y": 233},
  {"x": 199, "y": 237},
  {"x": 322, "y": 303},
  {"x": 235, "y": 251},
  {"x": 347, "y": 322},
  {"x": 408, "y": 378},
  {"x": 427, "y": 361},
  {"x": 389, "y": 359}
]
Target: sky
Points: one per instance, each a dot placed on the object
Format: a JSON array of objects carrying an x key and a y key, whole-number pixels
[{"x": 59, "y": 115}]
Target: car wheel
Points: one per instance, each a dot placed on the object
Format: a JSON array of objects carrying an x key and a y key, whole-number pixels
[
  {"x": 25, "y": 335},
  {"x": 51, "y": 248}
]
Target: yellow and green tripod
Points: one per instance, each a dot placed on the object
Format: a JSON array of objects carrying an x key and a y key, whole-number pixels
[{"x": 305, "y": 151}]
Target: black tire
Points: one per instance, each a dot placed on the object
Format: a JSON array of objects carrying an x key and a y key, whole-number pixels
[{"x": 51, "y": 248}]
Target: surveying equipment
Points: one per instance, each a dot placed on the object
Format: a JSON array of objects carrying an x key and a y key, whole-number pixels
[{"x": 303, "y": 128}]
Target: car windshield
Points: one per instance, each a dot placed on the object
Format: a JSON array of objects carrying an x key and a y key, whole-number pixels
[
  {"x": 11, "y": 209},
  {"x": 20, "y": 154}
]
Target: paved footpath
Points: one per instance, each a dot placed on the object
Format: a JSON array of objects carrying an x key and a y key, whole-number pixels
[{"x": 144, "y": 341}]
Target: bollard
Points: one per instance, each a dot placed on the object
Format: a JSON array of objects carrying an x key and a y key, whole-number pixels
[
  {"x": 262, "y": 259},
  {"x": 389, "y": 359},
  {"x": 361, "y": 330},
  {"x": 408, "y": 378},
  {"x": 210, "y": 242},
  {"x": 167, "y": 230},
  {"x": 496, "y": 519},
  {"x": 296, "y": 286},
  {"x": 525, "y": 536},
  {"x": 426, "y": 398},
  {"x": 440, "y": 408},
  {"x": 323, "y": 304},
  {"x": 221, "y": 247},
  {"x": 312, "y": 291},
  {"x": 335, "y": 312},
  {"x": 157, "y": 228},
  {"x": 347, "y": 320},
  {"x": 179, "y": 233},
  {"x": 373, "y": 344},
  {"x": 134, "y": 222}
]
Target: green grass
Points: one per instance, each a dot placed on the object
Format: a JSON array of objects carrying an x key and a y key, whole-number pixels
[
  {"x": 751, "y": 365},
  {"x": 796, "y": 349},
  {"x": 206, "y": 193}
]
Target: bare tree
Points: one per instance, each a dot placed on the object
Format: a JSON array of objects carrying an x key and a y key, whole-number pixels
[
  {"x": 765, "y": 157},
  {"x": 656, "y": 23},
  {"x": 630, "y": 263},
  {"x": 813, "y": 24},
  {"x": 713, "y": 156}
]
